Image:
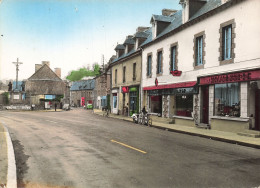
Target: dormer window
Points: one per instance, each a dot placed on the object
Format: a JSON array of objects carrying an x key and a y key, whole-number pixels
[{"x": 159, "y": 23}]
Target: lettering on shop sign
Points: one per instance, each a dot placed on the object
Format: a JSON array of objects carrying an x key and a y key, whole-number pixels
[{"x": 232, "y": 77}]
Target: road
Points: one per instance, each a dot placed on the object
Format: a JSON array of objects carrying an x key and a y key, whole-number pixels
[{"x": 80, "y": 149}]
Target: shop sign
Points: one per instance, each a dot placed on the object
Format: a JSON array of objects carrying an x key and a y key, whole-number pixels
[
  {"x": 156, "y": 82},
  {"x": 232, "y": 77},
  {"x": 133, "y": 89},
  {"x": 125, "y": 89},
  {"x": 176, "y": 73},
  {"x": 176, "y": 91}
]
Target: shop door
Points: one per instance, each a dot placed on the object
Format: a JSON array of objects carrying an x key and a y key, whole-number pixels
[
  {"x": 205, "y": 104},
  {"x": 257, "y": 110}
]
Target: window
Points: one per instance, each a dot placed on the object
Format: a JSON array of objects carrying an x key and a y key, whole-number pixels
[
  {"x": 199, "y": 50},
  {"x": 184, "y": 105},
  {"x": 226, "y": 42},
  {"x": 116, "y": 76},
  {"x": 173, "y": 58},
  {"x": 134, "y": 71},
  {"x": 159, "y": 62},
  {"x": 124, "y": 71},
  {"x": 149, "y": 65},
  {"x": 227, "y": 99}
]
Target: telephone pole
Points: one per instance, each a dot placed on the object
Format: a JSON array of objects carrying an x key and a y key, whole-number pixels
[{"x": 17, "y": 69}]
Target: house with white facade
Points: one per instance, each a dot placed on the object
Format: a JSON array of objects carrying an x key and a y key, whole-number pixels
[{"x": 201, "y": 64}]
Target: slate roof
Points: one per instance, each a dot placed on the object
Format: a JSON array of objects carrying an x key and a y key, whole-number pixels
[
  {"x": 161, "y": 18},
  {"x": 45, "y": 73},
  {"x": 120, "y": 47},
  {"x": 176, "y": 19},
  {"x": 210, "y": 5},
  {"x": 141, "y": 35},
  {"x": 83, "y": 85},
  {"x": 129, "y": 41}
]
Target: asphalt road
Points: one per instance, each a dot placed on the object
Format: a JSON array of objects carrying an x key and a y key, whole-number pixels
[{"x": 80, "y": 149}]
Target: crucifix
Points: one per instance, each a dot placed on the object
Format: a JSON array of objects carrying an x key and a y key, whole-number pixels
[{"x": 17, "y": 69}]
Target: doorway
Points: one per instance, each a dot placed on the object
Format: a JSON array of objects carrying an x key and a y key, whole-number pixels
[{"x": 205, "y": 104}]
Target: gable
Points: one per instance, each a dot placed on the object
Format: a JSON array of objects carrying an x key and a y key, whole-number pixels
[{"x": 45, "y": 73}]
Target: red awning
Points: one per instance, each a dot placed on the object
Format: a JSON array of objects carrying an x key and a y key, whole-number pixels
[{"x": 171, "y": 86}]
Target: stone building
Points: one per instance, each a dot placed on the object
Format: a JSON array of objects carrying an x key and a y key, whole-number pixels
[
  {"x": 102, "y": 90},
  {"x": 82, "y": 92},
  {"x": 45, "y": 86},
  {"x": 126, "y": 74},
  {"x": 201, "y": 64}
]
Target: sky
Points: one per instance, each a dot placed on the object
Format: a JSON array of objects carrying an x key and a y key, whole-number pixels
[{"x": 71, "y": 34}]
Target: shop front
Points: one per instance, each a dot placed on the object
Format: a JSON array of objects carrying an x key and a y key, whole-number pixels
[
  {"x": 173, "y": 100},
  {"x": 115, "y": 101},
  {"x": 130, "y": 100},
  {"x": 234, "y": 100}
]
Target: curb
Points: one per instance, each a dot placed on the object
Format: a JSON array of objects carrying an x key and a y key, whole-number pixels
[
  {"x": 209, "y": 137},
  {"x": 200, "y": 135},
  {"x": 11, "y": 171}
]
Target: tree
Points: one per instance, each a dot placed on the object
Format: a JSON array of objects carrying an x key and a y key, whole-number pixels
[{"x": 77, "y": 75}]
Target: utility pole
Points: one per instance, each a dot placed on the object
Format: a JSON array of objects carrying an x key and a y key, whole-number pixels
[{"x": 17, "y": 69}]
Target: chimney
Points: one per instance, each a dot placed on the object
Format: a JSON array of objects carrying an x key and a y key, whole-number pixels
[
  {"x": 168, "y": 12},
  {"x": 46, "y": 63},
  {"x": 58, "y": 72},
  {"x": 141, "y": 29},
  {"x": 37, "y": 67},
  {"x": 129, "y": 36}
]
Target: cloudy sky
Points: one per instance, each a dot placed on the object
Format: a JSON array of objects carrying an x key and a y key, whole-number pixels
[{"x": 68, "y": 33}]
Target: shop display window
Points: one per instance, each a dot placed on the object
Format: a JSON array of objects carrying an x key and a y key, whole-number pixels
[
  {"x": 227, "y": 99},
  {"x": 184, "y": 105}
]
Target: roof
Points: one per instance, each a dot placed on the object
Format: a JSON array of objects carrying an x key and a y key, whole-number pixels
[
  {"x": 210, "y": 5},
  {"x": 120, "y": 47},
  {"x": 141, "y": 35},
  {"x": 83, "y": 85},
  {"x": 161, "y": 18},
  {"x": 176, "y": 19},
  {"x": 129, "y": 41},
  {"x": 45, "y": 73}
]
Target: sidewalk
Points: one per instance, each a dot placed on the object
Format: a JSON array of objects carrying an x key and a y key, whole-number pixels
[
  {"x": 3, "y": 156},
  {"x": 229, "y": 137}
]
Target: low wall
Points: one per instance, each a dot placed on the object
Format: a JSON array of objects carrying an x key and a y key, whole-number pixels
[
  {"x": 186, "y": 121},
  {"x": 230, "y": 124}
]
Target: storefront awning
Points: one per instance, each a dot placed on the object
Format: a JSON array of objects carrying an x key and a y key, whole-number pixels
[{"x": 171, "y": 86}]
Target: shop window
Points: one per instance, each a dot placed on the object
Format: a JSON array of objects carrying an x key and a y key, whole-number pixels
[
  {"x": 184, "y": 105},
  {"x": 227, "y": 99}
]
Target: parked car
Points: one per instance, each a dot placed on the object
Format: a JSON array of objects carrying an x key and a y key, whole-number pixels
[{"x": 89, "y": 106}]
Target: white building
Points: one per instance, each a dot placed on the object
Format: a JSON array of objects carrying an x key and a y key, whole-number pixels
[{"x": 202, "y": 64}]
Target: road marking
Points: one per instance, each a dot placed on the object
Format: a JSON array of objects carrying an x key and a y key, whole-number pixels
[
  {"x": 51, "y": 121},
  {"x": 128, "y": 146}
]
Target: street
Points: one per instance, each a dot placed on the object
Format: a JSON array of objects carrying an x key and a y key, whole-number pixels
[{"x": 80, "y": 149}]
